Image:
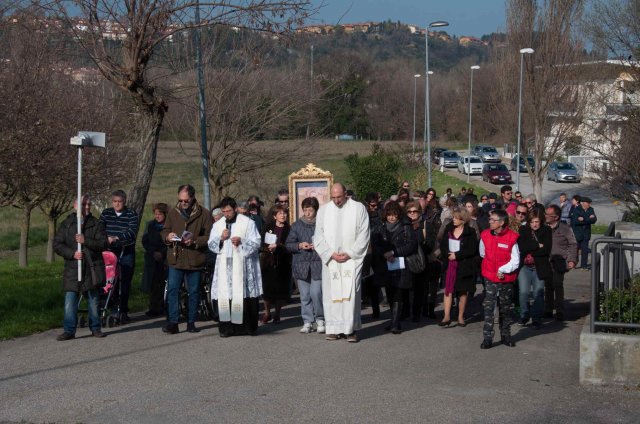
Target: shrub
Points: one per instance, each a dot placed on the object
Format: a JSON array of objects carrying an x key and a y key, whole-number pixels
[
  {"x": 377, "y": 172},
  {"x": 621, "y": 305}
]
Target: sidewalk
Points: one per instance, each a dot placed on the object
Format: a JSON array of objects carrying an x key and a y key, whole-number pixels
[{"x": 427, "y": 374}]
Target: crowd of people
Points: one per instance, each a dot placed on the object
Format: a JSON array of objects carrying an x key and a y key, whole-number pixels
[{"x": 401, "y": 252}]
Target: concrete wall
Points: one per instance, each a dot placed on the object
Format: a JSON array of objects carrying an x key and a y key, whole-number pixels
[{"x": 609, "y": 358}]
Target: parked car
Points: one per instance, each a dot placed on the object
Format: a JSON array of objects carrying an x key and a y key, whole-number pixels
[
  {"x": 496, "y": 173},
  {"x": 487, "y": 153},
  {"x": 523, "y": 167},
  {"x": 470, "y": 165},
  {"x": 563, "y": 171},
  {"x": 449, "y": 159},
  {"x": 436, "y": 152}
]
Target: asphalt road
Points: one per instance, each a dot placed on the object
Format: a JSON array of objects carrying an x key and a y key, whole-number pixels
[
  {"x": 427, "y": 374},
  {"x": 607, "y": 210}
]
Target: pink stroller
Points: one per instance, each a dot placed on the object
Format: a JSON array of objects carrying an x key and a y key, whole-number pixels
[{"x": 107, "y": 293}]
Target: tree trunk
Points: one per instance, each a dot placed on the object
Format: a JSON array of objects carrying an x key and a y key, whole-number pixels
[
  {"x": 24, "y": 236},
  {"x": 148, "y": 132},
  {"x": 536, "y": 181},
  {"x": 51, "y": 226}
]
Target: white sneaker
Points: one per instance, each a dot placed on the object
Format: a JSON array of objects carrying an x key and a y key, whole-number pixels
[
  {"x": 306, "y": 328},
  {"x": 321, "y": 328}
]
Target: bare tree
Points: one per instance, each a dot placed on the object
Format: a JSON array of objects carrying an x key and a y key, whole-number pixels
[
  {"x": 614, "y": 27},
  {"x": 142, "y": 27},
  {"x": 553, "y": 103}
]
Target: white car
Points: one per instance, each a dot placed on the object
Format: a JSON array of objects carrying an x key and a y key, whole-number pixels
[{"x": 470, "y": 165}]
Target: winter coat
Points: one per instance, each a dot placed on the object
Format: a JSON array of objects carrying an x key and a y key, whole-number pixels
[
  {"x": 152, "y": 242},
  {"x": 466, "y": 256},
  {"x": 403, "y": 243},
  {"x": 276, "y": 265},
  {"x": 306, "y": 264},
  {"x": 582, "y": 229},
  {"x": 199, "y": 223},
  {"x": 64, "y": 244},
  {"x": 527, "y": 243},
  {"x": 564, "y": 243}
]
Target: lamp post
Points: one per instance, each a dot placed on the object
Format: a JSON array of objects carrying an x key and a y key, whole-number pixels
[
  {"x": 427, "y": 123},
  {"x": 415, "y": 82},
  {"x": 524, "y": 51},
  {"x": 473, "y": 68}
]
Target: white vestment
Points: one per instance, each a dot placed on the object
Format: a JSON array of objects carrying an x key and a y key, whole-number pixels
[
  {"x": 342, "y": 230},
  {"x": 237, "y": 274}
]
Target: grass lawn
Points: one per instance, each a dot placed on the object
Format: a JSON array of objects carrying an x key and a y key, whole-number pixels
[{"x": 32, "y": 298}]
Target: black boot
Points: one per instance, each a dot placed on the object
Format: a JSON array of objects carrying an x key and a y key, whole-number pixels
[
  {"x": 375, "y": 307},
  {"x": 396, "y": 314}
]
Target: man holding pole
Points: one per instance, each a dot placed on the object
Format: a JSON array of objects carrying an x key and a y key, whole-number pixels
[{"x": 93, "y": 240}]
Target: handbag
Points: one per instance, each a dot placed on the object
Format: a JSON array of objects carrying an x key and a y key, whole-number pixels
[{"x": 416, "y": 262}]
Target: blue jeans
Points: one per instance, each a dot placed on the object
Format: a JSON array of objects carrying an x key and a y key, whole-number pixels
[
  {"x": 174, "y": 282},
  {"x": 311, "y": 300},
  {"x": 70, "y": 321},
  {"x": 527, "y": 280}
]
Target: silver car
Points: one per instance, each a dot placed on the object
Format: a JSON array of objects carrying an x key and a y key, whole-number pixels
[
  {"x": 487, "y": 154},
  {"x": 449, "y": 159},
  {"x": 563, "y": 172}
]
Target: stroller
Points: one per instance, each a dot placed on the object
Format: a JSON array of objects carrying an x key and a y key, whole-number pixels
[{"x": 109, "y": 294}]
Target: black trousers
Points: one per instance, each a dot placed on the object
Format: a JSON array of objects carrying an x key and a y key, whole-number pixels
[
  {"x": 249, "y": 320},
  {"x": 554, "y": 293}
]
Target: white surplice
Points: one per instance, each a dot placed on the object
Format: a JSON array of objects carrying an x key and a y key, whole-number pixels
[
  {"x": 342, "y": 230},
  {"x": 240, "y": 262}
]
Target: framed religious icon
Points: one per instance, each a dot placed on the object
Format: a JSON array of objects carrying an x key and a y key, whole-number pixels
[{"x": 309, "y": 181}]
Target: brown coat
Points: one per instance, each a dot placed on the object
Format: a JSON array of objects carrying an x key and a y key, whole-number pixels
[{"x": 199, "y": 223}]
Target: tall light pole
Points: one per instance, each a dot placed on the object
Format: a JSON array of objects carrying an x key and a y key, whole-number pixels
[
  {"x": 473, "y": 68},
  {"x": 527, "y": 50},
  {"x": 415, "y": 91},
  {"x": 427, "y": 123},
  {"x": 204, "y": 150},
  {"x": 310, "y": 96},
  {"x": 424, "y": 142}
]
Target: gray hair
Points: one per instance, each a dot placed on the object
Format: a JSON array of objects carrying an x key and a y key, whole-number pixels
[
  {"x": 216, "y": 212},
  {"x": 532, "y": 197}
]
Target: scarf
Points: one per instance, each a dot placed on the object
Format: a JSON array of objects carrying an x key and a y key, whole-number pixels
[{"x": 392, "y": 227}]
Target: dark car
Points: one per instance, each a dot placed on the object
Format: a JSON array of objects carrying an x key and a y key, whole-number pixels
[
  {"x": 523, "y": 167},
  {"x": 449, "y": 159},
  {"x": 436, "y": 152},
  {"x": 496, "y": 173}
]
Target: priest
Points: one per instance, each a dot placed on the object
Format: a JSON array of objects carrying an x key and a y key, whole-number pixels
[
  {"x": 237, "y": 282},
  {"x": 341, "y": 239}
]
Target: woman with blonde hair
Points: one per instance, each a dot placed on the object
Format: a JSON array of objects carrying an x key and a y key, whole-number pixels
[{"x": 459, "y": 248}]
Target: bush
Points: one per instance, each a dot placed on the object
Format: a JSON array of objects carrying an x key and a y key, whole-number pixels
[
  {"x": 377, "y": 172},
  {"x": 621, "y": 305}
]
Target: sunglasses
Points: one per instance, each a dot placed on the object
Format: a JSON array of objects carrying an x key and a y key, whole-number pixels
[
  {"x": 412, "y": 211},
  {"x": 521, "y": 213},
  {"x": 184, "y": 201}
]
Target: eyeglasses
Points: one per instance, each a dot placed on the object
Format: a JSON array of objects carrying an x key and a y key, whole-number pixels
[
  {"x": 508, "y": 193},
  {"x": 184, "y": 201},
  {"x": 412, "y": 211},
  {"x": 494, "y": 220},
  {"x": 518, "y": 196},
  {"x": 520, "y": 213},
  {"x": 529, "y": 203}
]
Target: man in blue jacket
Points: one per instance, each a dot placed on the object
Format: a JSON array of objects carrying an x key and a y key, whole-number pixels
[
  {"x": 121, "y": 224},
  {"x": 582, "y": 218}
]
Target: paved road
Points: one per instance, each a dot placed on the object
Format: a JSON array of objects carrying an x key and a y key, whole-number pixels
[
  {"x": 426, "y": 374},
  {"x": 606, "y": 210}
]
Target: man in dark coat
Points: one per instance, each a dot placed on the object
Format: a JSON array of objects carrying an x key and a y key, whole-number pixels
[
  {"x": 65, "y": 243},
  {"x": 582, "y": 218}
]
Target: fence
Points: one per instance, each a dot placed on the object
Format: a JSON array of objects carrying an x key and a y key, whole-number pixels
[{"x": 615, "y": 284}]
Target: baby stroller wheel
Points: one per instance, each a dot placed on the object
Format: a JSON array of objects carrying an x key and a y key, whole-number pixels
[
  {"x": 82, "y": 322},
  {"x": 112, "y": 321}
]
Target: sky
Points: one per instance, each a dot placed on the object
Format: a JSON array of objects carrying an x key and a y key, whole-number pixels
[{"x": 465, "y": 17}]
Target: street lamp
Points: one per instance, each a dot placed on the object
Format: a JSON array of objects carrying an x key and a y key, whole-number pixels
[
  {"x": 524, "y": 51},
  {"x": 473, "y": 68},
  {"x": 427, "y": 123},
  {"x": 415, "y": 82}
]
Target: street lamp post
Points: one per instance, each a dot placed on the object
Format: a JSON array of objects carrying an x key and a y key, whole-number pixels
[
  {"x": 473, "y": 68},
  {"x": 415, "y": 82},
  {"x": 522, "y": 53},
  {"x": 427, "y": 123}
]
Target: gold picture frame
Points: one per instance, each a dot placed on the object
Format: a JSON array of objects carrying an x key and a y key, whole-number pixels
[{"x": 309, "y": 181}]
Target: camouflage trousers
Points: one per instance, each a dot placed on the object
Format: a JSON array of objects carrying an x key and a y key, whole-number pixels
[{"x": 504, "y": 293}]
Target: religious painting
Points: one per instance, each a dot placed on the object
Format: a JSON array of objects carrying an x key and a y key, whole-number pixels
[{"x": 309, "y": 181}]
